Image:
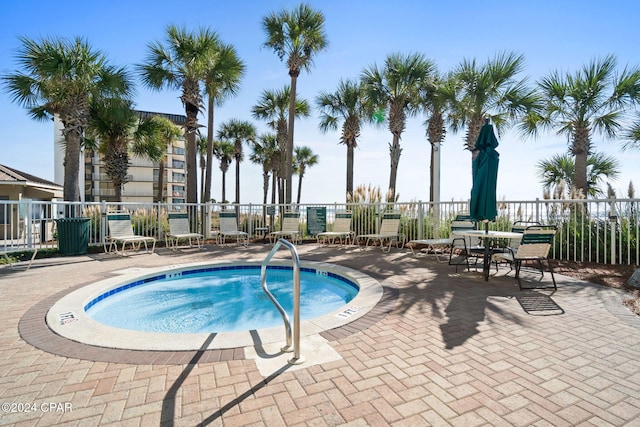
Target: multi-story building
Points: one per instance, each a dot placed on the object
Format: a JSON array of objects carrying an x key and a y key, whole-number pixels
[{"x": 143, "y": 174}]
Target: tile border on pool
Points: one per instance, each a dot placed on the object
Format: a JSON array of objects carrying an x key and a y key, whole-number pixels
[{"x": 87, "y": 331}]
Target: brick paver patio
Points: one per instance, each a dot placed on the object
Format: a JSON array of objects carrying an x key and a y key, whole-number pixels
[{"x": 441, "y": 348}]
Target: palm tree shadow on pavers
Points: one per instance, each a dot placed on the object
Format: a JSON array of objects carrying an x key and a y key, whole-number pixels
[
  {"x": 459, "y": 301},
  {"x": 432, "y": 295}
]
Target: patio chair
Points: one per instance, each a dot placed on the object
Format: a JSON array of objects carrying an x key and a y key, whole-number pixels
[
  {"x": 387, "y": 232},
  {"x": 512, "y": 245},
  {"x": 229, "y": 228},
  {"x": 121, "y": 231},
  {"x": 179, "y": 230},
  {"x": 536, "y": 244},
  {"x": 290, "y": 228},
  {"x": 464, "y": 247},
  {"x": 11, "y": 264},
  {"x": 341, "y": 230}
]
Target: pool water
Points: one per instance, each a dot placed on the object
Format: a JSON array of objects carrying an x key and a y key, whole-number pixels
[{"x": 225, "y": 300}]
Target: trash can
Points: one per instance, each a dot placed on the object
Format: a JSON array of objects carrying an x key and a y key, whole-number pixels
[{"x": 73, "y": 236}]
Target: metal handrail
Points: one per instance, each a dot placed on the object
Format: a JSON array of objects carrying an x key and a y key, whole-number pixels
[{"x": 297, "y": 358}]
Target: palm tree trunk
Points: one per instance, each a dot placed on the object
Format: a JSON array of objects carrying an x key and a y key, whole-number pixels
[
  {"x": 192, "y": 150},
  {"x": 265, "y": 194},
  {"x": 289, "y": 154},
  {"x": 350, "y": 155},
  {"x": 237, "y": 180},
  {"x": 202, "y": 178},
  {"x": 299, "y": 188},
  {"x": 118, "y": 192},
  {"x": 72, "y": 166},
  {"x": 394, "y": 154},
  {"x": 160, "y": 190},
  {"x": 432, "y": 172},
  {"x": 224, "y": 187},
  {"x": 209, "y": 174}
]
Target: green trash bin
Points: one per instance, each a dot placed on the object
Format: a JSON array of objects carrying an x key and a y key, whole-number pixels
[{"x": 73, "y": 236}]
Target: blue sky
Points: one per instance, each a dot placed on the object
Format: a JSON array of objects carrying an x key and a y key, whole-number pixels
[{"x": 552, "y": 35}]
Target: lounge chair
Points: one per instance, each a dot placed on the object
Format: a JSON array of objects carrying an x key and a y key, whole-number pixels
[
  {"x": 121, "y": 231},
  {"x": 341, "y": 230},
  {"x": 388, "y": 232},
  {"x": 229, "y": 228},
  {"x": 179, "y": 230},
  {"x": 11, "y": 264},
  {"x": 536, "y": 244},
  {"x": 431, "y": 246},
  {"x": 290, "y": 228}
]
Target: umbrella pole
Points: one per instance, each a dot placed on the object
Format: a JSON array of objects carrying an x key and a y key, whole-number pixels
[{"x": 487, "y": 253}]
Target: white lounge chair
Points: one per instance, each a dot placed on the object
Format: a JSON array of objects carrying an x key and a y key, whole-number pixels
[
  {"x": 341, "y": 230},
  {"x": 11, "y": 264},
  {"x": 121, "y": 231},
  {"x": 179, "y": 230},
  {"x": 290, "y": 228},
  {"x": 431, "y": 246},
  {"x": 229, "y": 228},
  {"x": 389, "y": 231}
]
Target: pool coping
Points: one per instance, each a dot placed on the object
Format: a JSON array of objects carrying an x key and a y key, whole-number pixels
[{"x": 67, "y": 319}]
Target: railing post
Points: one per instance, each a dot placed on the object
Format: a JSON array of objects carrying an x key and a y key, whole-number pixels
[{"x": 420, "y": 220}]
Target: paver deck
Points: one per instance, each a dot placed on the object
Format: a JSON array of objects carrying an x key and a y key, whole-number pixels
[{"x": 441, "y": 348}]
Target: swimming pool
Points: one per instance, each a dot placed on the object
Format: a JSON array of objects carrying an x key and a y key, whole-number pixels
[
  {"x": 68, "y": 318},
  {"x": 218, "y": 299}
]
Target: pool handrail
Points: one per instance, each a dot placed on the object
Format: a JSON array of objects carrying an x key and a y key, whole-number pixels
[{"x": 297, "y": 358}]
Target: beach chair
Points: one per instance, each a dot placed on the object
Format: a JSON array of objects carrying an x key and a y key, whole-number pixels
[
  {"x": 290, "y": 228},
  {"x": 10, "y": 263},
  {"x": 429, "y": 246},
  {"x": 229, "y": 228},
  {"x": 341, "y": 230},
  {"x": 389, "y": 231},
  {"x": 121, "y": 231},
  {"x": 179, "y": 230},
  {"x": 535, "y": 245}
]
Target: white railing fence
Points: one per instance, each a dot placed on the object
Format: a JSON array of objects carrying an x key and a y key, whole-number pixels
[{"x": 603, "y": 231}]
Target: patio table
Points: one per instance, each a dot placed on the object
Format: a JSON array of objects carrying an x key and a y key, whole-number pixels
[{"x": 488, "y": 237}]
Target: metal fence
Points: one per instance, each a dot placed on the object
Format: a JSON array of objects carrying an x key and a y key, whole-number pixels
[{"x": 603, "y": 231}]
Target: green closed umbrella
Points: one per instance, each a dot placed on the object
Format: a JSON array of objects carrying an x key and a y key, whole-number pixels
[
  {"x": 485, "y": 176},
  {"x": 484, "y": 167}
]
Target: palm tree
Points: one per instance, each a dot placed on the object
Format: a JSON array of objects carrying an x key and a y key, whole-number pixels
[
  {"x": 396, "y": 87},
  {"x": 181, "y": 64},
  {"x": 166, "y": 133},
  {"x": 222, "y": 81},
  {"x": 438, "y": 97},
  {"x": 273, "y": 106},
  {"x": 490, "y": 90},
  {"x": 223, "y": 151},
  {"x": 592, "y": 100},
  {"x": 296, "y": 36},
  {"x": 237, "y": 131},
  {"x": 113, "y": 127},
  {"x": 266, "y": 152},
  {"x": 558, "y": 172},
  {"x": 62, "y": 77},
  {"x": 302, "y": 159},
  {"x": 346, "y": 104}
]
